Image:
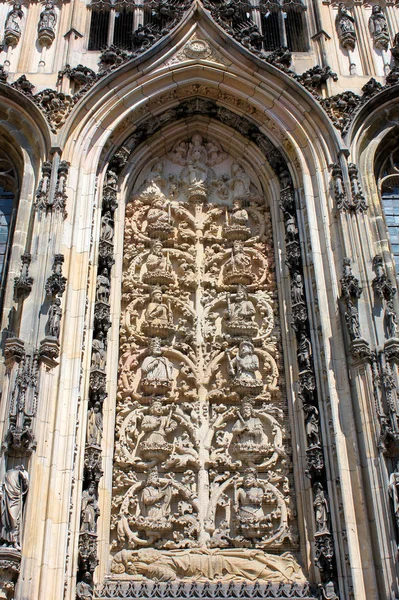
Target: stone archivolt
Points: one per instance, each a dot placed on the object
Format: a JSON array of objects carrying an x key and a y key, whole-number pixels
[{"x": 201, "y": 462}]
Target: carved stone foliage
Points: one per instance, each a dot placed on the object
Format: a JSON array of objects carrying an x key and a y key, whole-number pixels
[{"x": 201, "y": 460}]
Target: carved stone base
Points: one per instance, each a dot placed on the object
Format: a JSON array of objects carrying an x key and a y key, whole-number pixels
[
  {"x": 10, "y": 560},
  {"x": 205, "y": 590},
  {"x": 392, "y": 349},
  {"x": 360, "y": 349},
  {"x": 49, "y": 348},
  {"x": 236, "y": 232}
]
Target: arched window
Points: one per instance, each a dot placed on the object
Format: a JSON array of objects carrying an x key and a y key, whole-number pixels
[
  {"x": 389, "y": 186},
  {"x": 8, "y": 200}
]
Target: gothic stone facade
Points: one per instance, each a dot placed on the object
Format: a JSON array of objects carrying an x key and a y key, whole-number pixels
[{"x": 200, "y": 347}]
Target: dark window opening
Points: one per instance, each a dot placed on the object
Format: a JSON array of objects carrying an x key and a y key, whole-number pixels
[
  {"x": 99, "y": 26},
  {"x": 271, "y": 31},
  {"x": 297, "y": 39},
  {"x": 123, "y": 29}
]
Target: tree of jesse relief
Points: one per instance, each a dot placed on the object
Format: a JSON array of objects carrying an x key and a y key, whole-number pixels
[{"x": 202, "y": 480}]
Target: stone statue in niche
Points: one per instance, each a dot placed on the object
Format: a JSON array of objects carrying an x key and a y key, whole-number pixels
[
  {"x": 321, "y": 508},
  {"x": 238, "y": 269},
  {"x": 47, "y": 23},
  {"x": 98, "y": 353},
  {"x": 156, "y": 370},
  {"x": 13, "y": 490},
  {"x": 158, "y": 267},
  {"x": 210, "y": 564},
  {"x": 297, "y": 289},
  {"x": 304, "y": 352},
  {"x": 158, "y": 316},
  {"x": 345, "y": 25},
  {"x": 53, "y": 325},
  {"x": 378, "y": 27},
  {"x": 107, "y": 227},
  {"x": 312, "y": 425},
  {"x": 103, "y": 286},
  {"x": 94, "y": 425},
  {"x": 352, "y": 320},
  {"x": 12, "y": 29},
  {"x": 244, "y": 368},
  {"x": 393, "y": 488},
  {"x": 156, "y": 426},
  {"x": 240, "y": 314},
  {"x": 84, "y": 590},
  {"x": 248, "y": 429},
  {"x": 391, "y": 319},
  {"x": 90, "y": 510}
]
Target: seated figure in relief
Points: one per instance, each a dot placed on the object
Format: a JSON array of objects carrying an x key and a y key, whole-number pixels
[
  {"x": 158, "y": 267},
  {"x": 244, "y": 368},
  {"x": 156, "y": 426},
  {"x": 248, "y": 428},
  {"x": 158, "y": 316},
  {"x": 156, "y": 497},
  {"x": 238, "y": 268},
  {"x": 240, "y": 313},
  {"x": 157, "y": 370}
]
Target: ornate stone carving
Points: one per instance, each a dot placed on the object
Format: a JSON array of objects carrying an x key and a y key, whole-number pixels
[
  {"x": 345, "y": 25},
  {"x": 60, "y": 197},
  {"x": 46, "y": 26},
  {"x": 240, "y": 563},
  {"x": 350, "y": 288},
  {"x": 358, "y": 199},
  {"x": 42, "y": 194},
  {"x": 23, "y": 283},
  {"x": 341, "y": 201},
  {"x": 381, "y": 284},
  {"x": 14, "y": 488},
  {"x": 55, "y": 284},
  {"x": 10, "y": 560},
  {"x": 378, "y": 27},
  {"x": 393, "y": 489},
  {"x": 198, "y": 393},
  {"x": 53, "y": 325},
  {"x": 12, "y": 28}
]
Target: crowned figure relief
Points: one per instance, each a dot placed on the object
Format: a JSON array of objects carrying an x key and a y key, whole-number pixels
[
  {"x": 156, "y": 370},
  {"x": 158, "y": 269},
  {"x": 238, "y": 268},
  {"x": 249, "y": 436},
  {"x": 156, "y": 426},
  {"x": 240, "y": 314},
  {"x": 158, "y": 316}
]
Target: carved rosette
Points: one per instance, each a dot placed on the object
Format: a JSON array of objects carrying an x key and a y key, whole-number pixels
[{"x": 201, "y": 456}]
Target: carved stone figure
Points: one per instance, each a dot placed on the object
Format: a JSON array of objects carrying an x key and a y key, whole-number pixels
[
  {"x": 303, "y": 352},
  {"x": 156, "y": 426},
  {"x": 244, "y": 368},
  {"x": 238, "y": 268},
  {"x": 391, "y": 319},
  {"x": 240, "y": 314},
  {"x": 107, "y": 227},
  {"x": 297, "y": 289},
  {"x": 352, "y": 320},
  {"x": 84, "y": 590},
  {"x": 378, "y": 27},
  {"x": 237, "y": 563},
  {"x": 157, "y": 370},
  {"x": 345, "y": 25},
  {"x": 46, "y": 26},
  {"x": 248, "y": 429},
  {"x": 103, "y": 286},
  {"x": 395, "y": 50},
  {"x": 94, "y": 425},
  {"x": 238, "y": 228},
  {"x": 159, "y": 219},
  {"x": 249, "y": 504},
  {"x": 312, "y": 424},
  {"x": 12, "y": 492},
  {"x": 90, "y": 510},
  {"x": 158, "y": 316},
  {"x": 12, "y": 29},
  {"x": 54, "y": 319},
  {"x": 239, "y": 183},
  {"x": 321, "y": 508},
  {"x": 98, "y": 353},
  {"x": 393, "y": 488},
  {"x": 156, "y": 497},
  {"x": 158, "y": 267}
]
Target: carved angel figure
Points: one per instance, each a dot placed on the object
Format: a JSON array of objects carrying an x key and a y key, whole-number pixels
[{"x": 12, "y": 492}]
